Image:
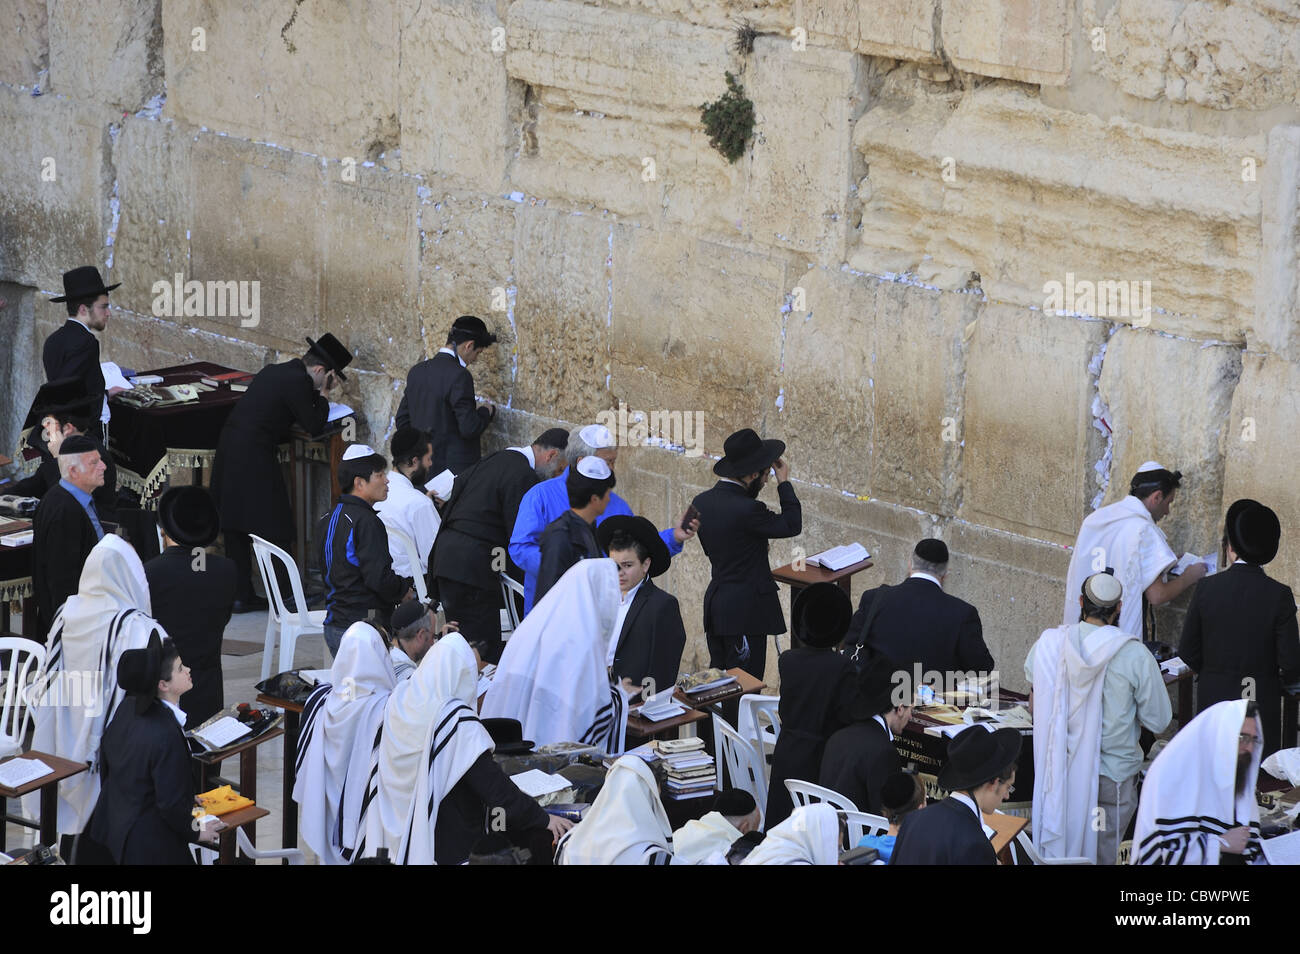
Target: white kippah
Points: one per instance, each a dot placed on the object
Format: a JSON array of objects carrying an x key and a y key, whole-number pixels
[
  {"x": 594, "y": 467},
  {"x": 358, "y": 450},
  {"x": 1103, "y": 590},
  {"x": 1151, "y": 465},
  {"x": 597, "y": 436}
]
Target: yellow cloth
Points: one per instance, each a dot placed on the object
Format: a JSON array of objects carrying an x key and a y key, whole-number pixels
[{"x": 223, "y": 801}]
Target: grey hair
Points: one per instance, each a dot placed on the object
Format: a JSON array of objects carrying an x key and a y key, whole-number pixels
[
  {"x": 925, "y": 566},
  {"x": 69, "y": 461},
  {"x": 577, "y": 449}
]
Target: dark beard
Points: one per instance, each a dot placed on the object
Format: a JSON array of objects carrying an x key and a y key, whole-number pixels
[
  {"x": 1243, "y": 771},
  {"x": 418, "y": 477},
  {"x": 754, "y": 487}
]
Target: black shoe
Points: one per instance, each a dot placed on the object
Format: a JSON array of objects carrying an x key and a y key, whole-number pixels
[{"x": 254, "y": 604}]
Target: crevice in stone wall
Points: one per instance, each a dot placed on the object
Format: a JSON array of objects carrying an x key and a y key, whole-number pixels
[{"x": 1101, "y": 419}]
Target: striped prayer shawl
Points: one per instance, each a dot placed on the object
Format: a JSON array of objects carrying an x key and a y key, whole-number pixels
[
  {"x": 609, "y": 728},
  {"x": 457, "y": 739},
  {"x": 1180, "y": 841}
]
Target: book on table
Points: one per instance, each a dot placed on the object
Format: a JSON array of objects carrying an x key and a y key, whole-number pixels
[{"x": 837, "y": 558}]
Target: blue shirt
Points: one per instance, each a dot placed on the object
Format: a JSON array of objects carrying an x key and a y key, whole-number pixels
[
  {"x": 884, "y": 845},
  {"x": 543, "y": 503},
  {"x": 87, "y": 505}
]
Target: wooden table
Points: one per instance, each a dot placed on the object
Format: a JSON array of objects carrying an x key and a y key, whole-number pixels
[
  {"x": 641, "y": 730},
  {"x": 800, "y": 579},
  {"x": 1185, "y": 681},
  {"x": 247, "y": 752},
  {"x": 49, "y": 789},
  {"x": 244, "y": 817},
  {"x": 288, "y": 807}
]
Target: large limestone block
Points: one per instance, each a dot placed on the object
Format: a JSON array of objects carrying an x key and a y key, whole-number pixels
[
  {"x": 1169, "y": 401},
  {"x": 455, "y": 105},
  {"x": 1259, "y": 449},
  {"x": 975, "y": 183},
  {"x": 1024, "y": 40},
  {"x": 20, "y": 363},
  {"x": 1030, "y": 443},
  {"x": 143, "y": 342},
  {"x": 1277, "y": 278},
  {"x": 696, "y": 326},
  {"x": 898, "y": 29},
  {"x": 1242, "y": 55},
  {"x": 318, "y": 77},
  {"x": 25, "y": 52},
  {"x": 55, "y": 190},
  {"x": 259, "y": 216},
  {"x": 107, "y": 52}
]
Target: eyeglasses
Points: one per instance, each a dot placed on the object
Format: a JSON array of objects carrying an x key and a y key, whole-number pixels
[{"x": 1253, "y": 741}]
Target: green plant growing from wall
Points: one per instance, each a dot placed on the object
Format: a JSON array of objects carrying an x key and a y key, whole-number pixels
[{"x": 729, "y": 120}]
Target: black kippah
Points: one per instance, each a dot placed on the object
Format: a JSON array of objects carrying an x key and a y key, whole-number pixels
[
  {"x": 76, "y": 444},
  {"x": 553, "y": 437},
  {"x": 733, "y": 802},
  {"x": 932, "y": 551},
  {"x": 408, "y": 441},
  {"x": 898, "y": 791}
]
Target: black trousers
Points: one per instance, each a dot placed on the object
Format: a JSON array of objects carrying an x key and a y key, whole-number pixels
[
  {"x": 478, "y": 612},
  {"x": 746, "y": 652},
  {"x": 239, "y": 547}
]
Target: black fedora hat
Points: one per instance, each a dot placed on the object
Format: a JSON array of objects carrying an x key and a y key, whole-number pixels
[
  {"x": 976, "y": 756},
  {"x": 189, "y": 516},
  {"x": 64, "y": 396},
  {"x": 641, "y": 530},
  {"x": 330, "y": 349},
  {"x": 137, "y": 672},
  {"x": 84, "y": 282},
  {"x": 820, "y": 615},
  {"x": 1253, "y": 530},
  {"x": 744, "y": 452},
  {"x": 508, "y": 736},
  {"x": 472, "y": 328}
]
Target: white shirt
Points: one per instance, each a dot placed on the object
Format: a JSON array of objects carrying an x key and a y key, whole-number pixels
[
  {"x": 527, "y": 452},
  {"x": 969, "y": 803},
  {"x": 412, "y": 512},
  {"x": 454, "y": 355},
  {"x": 884, "y": 725},
  {"x": 177, "y": 711},
  {"x": 624, "y": 605},
  {"x": 926, "y": 576}
]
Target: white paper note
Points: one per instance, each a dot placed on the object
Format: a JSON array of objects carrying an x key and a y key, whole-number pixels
[
  {"x": 535, "y": 783},
  {"x": 441, "y": 485}
]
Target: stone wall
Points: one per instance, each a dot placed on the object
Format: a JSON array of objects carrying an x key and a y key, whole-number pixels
[{"x": 870, "y": 282}]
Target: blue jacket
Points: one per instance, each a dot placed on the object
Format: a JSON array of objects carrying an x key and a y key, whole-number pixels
[
  {"x": 542, "y": 504},
  {"x": 356, "y": 565}
]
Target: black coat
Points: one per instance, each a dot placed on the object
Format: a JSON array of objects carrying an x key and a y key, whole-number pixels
[
  {"x": 741, "y": 599},
  {"x": 652, "y": 638},
  {"x": 820, "y": 695},
  {"x": 47, "y": 475},
  {"x": 945, "y": 833},
  {"x": 439, "y": 400},
  {"x": 857, "y": 761},
  {"x": 478, "y": 518},
  {"x": 72, "y": 351},
  {"x": 1241, "y": 624},
  {"x": 566, "y": 540},
  {"x": 194, "y": 607},
  {"x": 62, "y": 539},
  {"x": 466, "y": 813},
  {"x": 356, "y": 564},
  {"x": 920, "y": 623},
  {"x": 247, "y": 482},
  {"x": 144, "y": 815}
]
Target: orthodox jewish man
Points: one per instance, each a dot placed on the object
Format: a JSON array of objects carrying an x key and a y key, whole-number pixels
[
  {"x": 73, "y": 350},
  {"x": 648, "y": 636},
  {"x": 247, "y": 482},
  {"x": 192, "y": 592}
]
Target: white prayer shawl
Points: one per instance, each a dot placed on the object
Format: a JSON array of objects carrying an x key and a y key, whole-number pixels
[
  {"x": 626, "y": 824},
  {"x": 810, "y": 836},
  {"x": 704, "y": 841},
  {"x": 78, "y": 692},
  {"x": 552, "y": 675},
  {"x": 1069, "y": 673},
  {"x": 338, "y": 750},
  {"x": 1121, "y": 535},
  {"x": 1190, "y": 797}
]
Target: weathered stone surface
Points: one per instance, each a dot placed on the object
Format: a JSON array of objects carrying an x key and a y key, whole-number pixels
[
  {"x": 1028, "y": 431},
  {"x": 121, "y": 38},
  {"x": 455, "y": 102},
  {"x": 1023, "y": 176},
  {"x": 317, "y": 77},
  {"x": 1186, "y": 435},
  {"x": 142, "y": 342},
  {"x": 898, "y": 29},
  {"x": 25, "y": 52},
  {"x": 1024, "y": 40},
  {"x": 1277, "y": 279},
  {"x": 1225, "y": 56},
  {"x": 20, "y": 362}
]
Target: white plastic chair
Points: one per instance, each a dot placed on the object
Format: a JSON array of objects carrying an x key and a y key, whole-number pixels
[
  {"x": 26, "y": 663},
  {"x": 744, "y": 767},
  {"x": 203, "y": 855},
  {"x": 509, "y": 587},
  {"x": 1024, "y": 842},
  {"x": 754, "y": 711},
  {"x": 862, "y": 824},
  {"x": 806, "y": 793},
  {"x": 291, "y": 625},
  {"x": 412, "y": 559}
]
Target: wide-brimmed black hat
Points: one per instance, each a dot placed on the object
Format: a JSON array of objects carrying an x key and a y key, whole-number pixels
[
  {"x": 137, "y": 672},
  {"x": 331, "y": 350},
  {"x": 472, "y": 328},
  {"x": 84, "y": 282},
  {"x": 1253, "y": 530},
  {"x": 820, "y": 615},
  {"x": 744, "y": 452},
  {"x": 189, "y": 516},
  {"x": 508, "y": 736},
  {"x": 64, "y": 396},
  {"x": 641, "y": 530},
  {"x": 976, "y": 756}
]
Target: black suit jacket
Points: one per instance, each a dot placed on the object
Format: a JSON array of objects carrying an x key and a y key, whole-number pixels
[
  {"x": 464, "y": 816},
  {"x": 63, "y": 537},
  {"x": 857, "y": 761},
  {"x": 566, "y": 540},
  {"x": 247, "y": 482},
  {"x": 439, "y": 400},
  {"x": 478, "y": 518},
  {"x": 920, "y": 623},
  {"x": 945, "y": 833},
  {"x": 1240, "y": 625},
  {"x": 72, "y": 351},
  {"x": 143, "y": 816},
  {"x": 652, "y": 638},
  {"x": 741, "y": 599},
  {"x": 194, "y": 607}
]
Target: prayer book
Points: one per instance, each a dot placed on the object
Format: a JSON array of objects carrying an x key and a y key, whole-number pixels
[
  {"x": 113, "y": 377},
  {"x": 1188, "y": 559},
  {"x": 441, "y": 485},
  {"x": 837, "y": 558},
  {"x": 314, "y": 677},
  {"x": 229, "y": 377},
  {"x": 535, "y": 783},
  {"x": 1282, "y": 850},
  {"x": 706, "y": 681},
  {"x": 661, "y": 706},
  {"x": 1174, "y": 666},
  {"x": 238, "y": 387},
  {"x": 221, "y": 733},
  {"x": 19, "y": 539},
  {"x": 18, "y": 772},
  {"x": 144, "y": 379}
]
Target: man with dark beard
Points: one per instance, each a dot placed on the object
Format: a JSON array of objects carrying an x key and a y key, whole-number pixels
[
  {"x": 741, "y": 607},
  {"x": 408, "y": 507}
]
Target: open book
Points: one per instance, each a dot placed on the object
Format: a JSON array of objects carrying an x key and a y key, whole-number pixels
[{"x": 837, "y": 558}]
